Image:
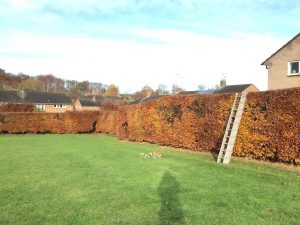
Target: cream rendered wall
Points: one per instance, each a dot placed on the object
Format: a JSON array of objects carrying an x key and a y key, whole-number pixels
[{"x": 278, "y": 77}]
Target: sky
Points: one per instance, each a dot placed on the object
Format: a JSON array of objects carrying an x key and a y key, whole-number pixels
[{"x": 133, "y": 43}]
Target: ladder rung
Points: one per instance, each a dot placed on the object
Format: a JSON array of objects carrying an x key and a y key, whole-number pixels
[{"x": 231, "y": 129}]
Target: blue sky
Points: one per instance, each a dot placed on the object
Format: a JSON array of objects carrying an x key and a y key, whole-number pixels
[{"x": 133, "y": 43}]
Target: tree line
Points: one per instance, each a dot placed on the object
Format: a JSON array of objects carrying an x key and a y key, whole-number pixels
[{"x": 51, "y": 83}]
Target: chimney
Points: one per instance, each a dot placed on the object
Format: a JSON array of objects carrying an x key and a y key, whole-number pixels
[
  {"x": 22, "y": 94},
  {"x": 222, "y": 83}
]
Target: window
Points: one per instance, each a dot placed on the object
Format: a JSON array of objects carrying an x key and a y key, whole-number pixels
[
  {"x": 293, "y": 68},
  {"x": 40, "y": 107},
  {"x": 59, "y": 106}
]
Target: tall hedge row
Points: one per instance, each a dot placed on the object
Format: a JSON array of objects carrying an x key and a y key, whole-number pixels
[
  {"x": 70, "y": 122},
  {"x": 13, "y": 107},
  {"x": 270, "y": 126},
  {"x": 107, "y": 122},
  {"x": 269, "y": 130},
  {"x": 196, "y": 121}
]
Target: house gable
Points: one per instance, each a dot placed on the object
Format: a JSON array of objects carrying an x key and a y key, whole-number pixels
[
  {"x": 283, "y": 66},
  {"x": 275, "y": 53}
]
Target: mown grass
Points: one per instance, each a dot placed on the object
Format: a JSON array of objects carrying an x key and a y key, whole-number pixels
[{"x": 96, "y": 179}]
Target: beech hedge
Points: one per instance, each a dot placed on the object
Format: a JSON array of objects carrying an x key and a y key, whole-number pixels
[
  {"x": 269, "y": 129},
  {"x": 195, "y": 121},
  {"x": 69, "y": 122},
  {"x": 13, "y": 107},
  {"x": 270, "y": 126},
  {"x": 107, "y": 122}
]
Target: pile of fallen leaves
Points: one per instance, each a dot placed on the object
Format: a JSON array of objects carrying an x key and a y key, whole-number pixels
[{"x": 151, "y": 155}]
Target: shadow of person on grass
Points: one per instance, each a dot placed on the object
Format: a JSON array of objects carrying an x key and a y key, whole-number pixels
[{"x": 170, "y": 210}]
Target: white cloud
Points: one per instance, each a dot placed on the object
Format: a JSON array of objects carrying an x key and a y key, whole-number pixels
[
  {"x": 20, "y": 3},
  {"x": 180, "y": 57}
]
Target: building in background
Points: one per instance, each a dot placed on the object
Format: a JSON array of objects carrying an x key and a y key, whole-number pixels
[
  {"x": 284, "y": 66},
  {"x": 44, "y": 101},
  {"x": 81, "y": 104},
  {"x": 238, "y": 88}
]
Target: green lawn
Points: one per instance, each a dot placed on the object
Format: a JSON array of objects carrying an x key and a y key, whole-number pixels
[{"x": 96, "y": 179}]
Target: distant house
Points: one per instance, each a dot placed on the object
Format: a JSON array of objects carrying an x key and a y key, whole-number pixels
[
  {"x": 126, "y": 97},
  {"x": 224, "y": 89},
  {"x": 236, "y": 89},
  {"x": 81, "y": 104},
  {"x": 284, "y": 65},
  {"x": 209, "y": 91},
  {"x": 146, "y": 99},
  {"x": 49, "y": 102},
  {"x": 45, "y": 102}
]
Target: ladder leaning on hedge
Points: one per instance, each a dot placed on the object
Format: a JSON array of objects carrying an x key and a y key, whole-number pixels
[{"x": 232, "y": 128}]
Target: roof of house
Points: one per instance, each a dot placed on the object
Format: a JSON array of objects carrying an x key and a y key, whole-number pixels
[
  {"x": 88, "y": 102},
  {"x": 188, "y": 92},
  {"x": 126, "y": 96},
  {"x": 264, "y": 62},
  {"x": 146, "y": 99},
  {"x": 34, "y": 97},
  {"x": 46, "y": 98},
  {"x": 232, "y": 88},
  {"x": 9, "y": 96},
  {"x": 107, "y": 98},
  {"x": 209, "y": 91}
]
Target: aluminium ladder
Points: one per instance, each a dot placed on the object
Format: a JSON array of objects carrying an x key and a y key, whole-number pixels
[{"x": 232, "y": 128}]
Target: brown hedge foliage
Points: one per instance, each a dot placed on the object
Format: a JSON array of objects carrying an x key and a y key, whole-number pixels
[
  {"x": 110, "y": 106},
  {"x": 107, "y": 122},
  {"x": 13, "y": 107},
  {"x": 195, "y": 121},
  {"x": 270, "y": 127},
  {"x": 269, "y": 130},
  {"x": 70, "y": 122}
]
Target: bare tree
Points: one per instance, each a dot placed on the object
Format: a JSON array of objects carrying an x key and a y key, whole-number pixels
[
  {"x": 201, "y": 87},
  {"x": 162, "y": 89},
  {"x": 176, "y": 89}
]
